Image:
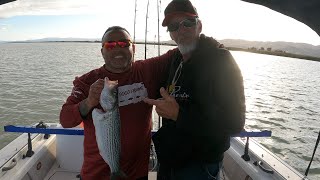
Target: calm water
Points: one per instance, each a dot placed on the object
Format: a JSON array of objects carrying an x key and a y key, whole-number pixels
[{"x": 282, "y": 94}]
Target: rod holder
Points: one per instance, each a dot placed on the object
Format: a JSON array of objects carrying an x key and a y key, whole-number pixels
[
  {"x": 29, "y": 152},
  {"x": 246, "y": 156}
]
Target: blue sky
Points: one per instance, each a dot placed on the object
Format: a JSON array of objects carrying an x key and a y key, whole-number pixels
[{"x": 227, "y": 19}]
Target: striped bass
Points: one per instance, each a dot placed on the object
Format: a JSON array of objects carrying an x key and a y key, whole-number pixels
[{"x": 107, "y": 127}]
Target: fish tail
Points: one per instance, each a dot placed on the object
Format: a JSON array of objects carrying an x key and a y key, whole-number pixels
[{"x": 115, "y": 175}]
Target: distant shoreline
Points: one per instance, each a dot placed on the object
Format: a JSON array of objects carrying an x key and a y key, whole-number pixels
[
  {"x": 283, "y": 54},
  {"x": 138, "y": 42}
]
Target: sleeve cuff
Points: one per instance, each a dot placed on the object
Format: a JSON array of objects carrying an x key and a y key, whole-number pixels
[{"x": 76, "y": 113}]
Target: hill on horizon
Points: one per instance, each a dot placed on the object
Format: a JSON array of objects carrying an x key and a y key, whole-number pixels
[{"x": 289, "y": 47}]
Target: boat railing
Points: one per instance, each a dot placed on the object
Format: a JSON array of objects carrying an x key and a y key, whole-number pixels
[
  {"x": 41, "y": 128},
  {"x": 80, "y": 131}
]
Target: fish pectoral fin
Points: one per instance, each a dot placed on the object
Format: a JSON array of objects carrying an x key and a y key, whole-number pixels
[{"x": 97, "y": 114}]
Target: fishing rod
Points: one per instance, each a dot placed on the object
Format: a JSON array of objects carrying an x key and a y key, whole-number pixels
[
  {"x": 135, "y": 21},
  {"x": 158, "y": 11},
  {"x": 146, "y": 32}
]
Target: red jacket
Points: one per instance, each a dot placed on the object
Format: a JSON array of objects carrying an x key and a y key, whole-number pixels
[{"x": 144, "y": 79}]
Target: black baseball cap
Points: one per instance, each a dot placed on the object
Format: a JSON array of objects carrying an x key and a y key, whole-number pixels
[{"x": 178, "y": 7}]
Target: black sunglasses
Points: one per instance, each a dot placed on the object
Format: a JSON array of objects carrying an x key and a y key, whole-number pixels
[{"x": 190, "y": 22}]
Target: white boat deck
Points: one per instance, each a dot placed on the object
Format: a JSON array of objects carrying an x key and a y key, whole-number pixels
[{"x": 58, "y": 173}]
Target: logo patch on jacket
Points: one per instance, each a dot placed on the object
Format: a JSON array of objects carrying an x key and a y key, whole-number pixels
[
  {"x": 178, "y": 93},
  {"x": 75, "y": 92}
]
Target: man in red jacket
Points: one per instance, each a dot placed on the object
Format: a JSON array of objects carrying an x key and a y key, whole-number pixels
[{"x": 136, "y": 80}]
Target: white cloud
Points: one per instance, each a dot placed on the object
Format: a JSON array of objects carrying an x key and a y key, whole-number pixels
[
  {"x": 4, "y": 27},
  {"x": 76, "y": 7},
  {"x": 50, "y": 7}
]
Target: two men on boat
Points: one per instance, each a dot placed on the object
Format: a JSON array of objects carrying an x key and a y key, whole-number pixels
[
  {"x": 204, "y": 103},
  {"x": 202, "y": 107}
]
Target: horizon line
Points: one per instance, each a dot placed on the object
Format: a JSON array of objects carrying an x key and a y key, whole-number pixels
[{"x": 139, "y": 41}]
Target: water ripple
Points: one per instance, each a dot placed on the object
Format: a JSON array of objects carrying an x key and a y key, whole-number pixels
[{"x": 282, "y": 98}]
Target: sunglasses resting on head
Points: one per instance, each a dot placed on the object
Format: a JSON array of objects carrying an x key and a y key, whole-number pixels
[
  {"x": 121, "y": 43},
  {"x": 190, "y": 22}
]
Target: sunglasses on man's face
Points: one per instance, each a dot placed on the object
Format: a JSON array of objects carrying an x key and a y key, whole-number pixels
[
  {"x": 112, "y": 44},
  {"x": 190, "y": 22}
]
